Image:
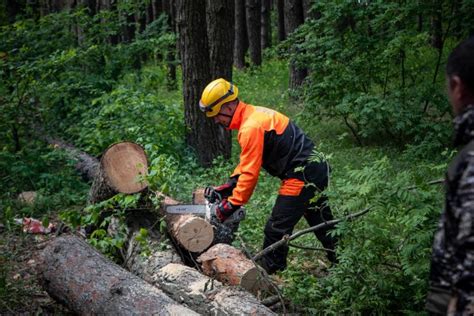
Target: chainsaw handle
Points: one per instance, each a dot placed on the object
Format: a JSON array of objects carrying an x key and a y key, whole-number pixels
[{"x": 212, "y": 195}]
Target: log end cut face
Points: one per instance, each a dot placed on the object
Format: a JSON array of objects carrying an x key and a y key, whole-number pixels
[
  {"x": 124, "y": 164},
  {"x": 194, "y": 233}
]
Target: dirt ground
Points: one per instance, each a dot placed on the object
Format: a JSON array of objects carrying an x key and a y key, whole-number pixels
[{"x": 20, "y": 293}]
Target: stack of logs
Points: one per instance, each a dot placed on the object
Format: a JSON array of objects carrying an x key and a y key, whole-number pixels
[{"x": 85, "y": 281}]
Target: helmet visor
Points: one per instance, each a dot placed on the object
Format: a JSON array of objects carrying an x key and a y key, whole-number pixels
[{"x": 209, "y": 107}]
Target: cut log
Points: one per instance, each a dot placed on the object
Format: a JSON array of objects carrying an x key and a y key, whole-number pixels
[
  {"x": 191, "y": 232},
  {"x": 230, "y": 266},
  {"x": 198, "y": 196},
  {"x": 223, "y": 234},
  {"x": 75, "y": 274},
  {"x": 205, "y": 295},
  {"x": 120, "y": 169}
]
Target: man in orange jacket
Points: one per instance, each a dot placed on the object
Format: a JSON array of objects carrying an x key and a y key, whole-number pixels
[{"x": 270, "y": 140}]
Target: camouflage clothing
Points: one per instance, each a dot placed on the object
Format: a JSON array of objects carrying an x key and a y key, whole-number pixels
[{"x": 452, "y": 265}]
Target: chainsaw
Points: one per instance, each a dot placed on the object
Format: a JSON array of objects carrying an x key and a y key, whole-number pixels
[{"x": 207, "y": 210}]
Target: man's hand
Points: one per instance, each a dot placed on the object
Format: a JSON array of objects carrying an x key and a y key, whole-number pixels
[
  {"x": 222, "y": 191},
  {"x": 225, "y": 209}
]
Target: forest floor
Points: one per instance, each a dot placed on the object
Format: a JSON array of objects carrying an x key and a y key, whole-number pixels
[{"x": 20, "y": 292}]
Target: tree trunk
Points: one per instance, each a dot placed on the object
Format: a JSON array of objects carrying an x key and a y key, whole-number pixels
[
  {"x": 437, "y": 26},
  {"x": 205, "y": 295},
  {"x": 241, "y": 38},
  {"x": 281, "y": 20},
  {"x": 120, "y": 168},
  {"x": 220, "y": 31},
  {"x": 230, "y": 266},
  {"x": 169, "y": 7},
  {"x": 294, "y": 18},
  {"x": 194, "y": 48},
  {"x": 75, "y": 274},
  {"x": 266, "y": 33},
  {"x": 252, "y": 11},
  {"x": 86, "y": 165}
]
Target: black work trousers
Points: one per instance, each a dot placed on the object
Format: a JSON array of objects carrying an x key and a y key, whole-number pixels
[{"x": 288, "y": 210}]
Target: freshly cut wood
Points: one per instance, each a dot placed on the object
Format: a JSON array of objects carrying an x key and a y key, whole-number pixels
[
  {"x": 230, "y": 266},
  {"x": 120, "y": 170},
  {"x": 191, "y": 232},
  {"x": 205, "y": 295},
  {"x": 75, "y": 274},
  {"x": 198, "y": 196}
]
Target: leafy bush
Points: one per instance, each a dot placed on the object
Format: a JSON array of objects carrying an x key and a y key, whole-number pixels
[{"x": 372, "y": 67}]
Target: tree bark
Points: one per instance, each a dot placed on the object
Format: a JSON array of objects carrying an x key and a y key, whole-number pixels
[
  {"x": 437, "y": 26},
  {"x": 241, "y": 38},
  {"x": 266, "y": 29},
  {"x": 195, "y": 64},
  {"x": 220, "y": 26},
  {"x": 120, "y": 167},
  {"x": 169, "y": 7},
  {"x": 252, "y": 11},
  {"x": 294, "y": 17},
  {"x": 75, "y": 274},
  {"x": 281, "y": 20},
  {"x": 205, "y": 295},
  {"x": 86, "y": 165},
  {"x": 230, "y": 266}
]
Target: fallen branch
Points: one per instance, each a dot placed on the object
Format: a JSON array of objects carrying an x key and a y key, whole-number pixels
[
  {"x": 310, "y": 248},
  {"x": 286, "y": 239}
]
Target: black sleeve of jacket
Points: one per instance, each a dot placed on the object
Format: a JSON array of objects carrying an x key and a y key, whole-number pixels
[{"x": 463, "y": 212}]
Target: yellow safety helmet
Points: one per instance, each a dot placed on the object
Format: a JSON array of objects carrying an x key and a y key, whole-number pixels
[{"x": 215, "y": 94}]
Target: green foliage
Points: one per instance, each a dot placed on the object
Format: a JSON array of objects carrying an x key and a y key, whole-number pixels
[
  {"x": 46, "y": 171},
  {"x": 384, "y": 256},
  {"x": 107, "y": 222},
  {"x": 372, "y": 67}
]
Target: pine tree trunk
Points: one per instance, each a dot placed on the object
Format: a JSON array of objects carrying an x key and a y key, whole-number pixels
[
  {"x": 281, "y": 20},
  {"x": 294, "y": 18},
  {"x": 266, "y": 24},
  {"x": 205, "y": 295},
  {"x": 241, "y": 37},
  {"x": 220, "y": 26},
  {"x": 75, "y": 274},
  {"x": 195, "y": 64},
  {"x": 169, "y": 7},
  {"x": 252, "y": 11}
]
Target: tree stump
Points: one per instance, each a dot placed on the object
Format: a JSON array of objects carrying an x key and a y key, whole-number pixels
[
  {"x": 120, "y": 168},
  {"x": 230, "y": 266},
  {"x": 205, "y": 295},
  {"x": 75, "y": 274}
]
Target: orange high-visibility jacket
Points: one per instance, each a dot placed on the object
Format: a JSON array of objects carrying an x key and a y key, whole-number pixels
[{"x": 270, "y": 140}]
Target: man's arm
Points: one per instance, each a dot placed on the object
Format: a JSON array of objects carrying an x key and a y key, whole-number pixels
[
  {"x": 464, "y": 241},
  {"x": 251, "y": 142}
]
